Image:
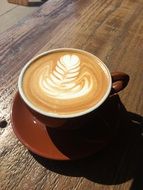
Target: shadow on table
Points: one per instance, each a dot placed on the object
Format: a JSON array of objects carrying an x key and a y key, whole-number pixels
[
  {"x": 36, "y": 3},
  {"x": 115, "y": 164}
]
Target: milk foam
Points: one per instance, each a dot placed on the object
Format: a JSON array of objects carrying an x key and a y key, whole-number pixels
[{"x": 65, "y": 81}]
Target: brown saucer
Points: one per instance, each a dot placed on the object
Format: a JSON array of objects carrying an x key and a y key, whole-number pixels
[{"x": 60, "y": 144}]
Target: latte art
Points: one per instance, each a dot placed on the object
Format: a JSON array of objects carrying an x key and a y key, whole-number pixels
[{"x": 66, "y": 81}]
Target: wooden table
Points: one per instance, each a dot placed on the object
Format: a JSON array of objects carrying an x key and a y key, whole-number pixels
[{"x": 112, "y": 30}]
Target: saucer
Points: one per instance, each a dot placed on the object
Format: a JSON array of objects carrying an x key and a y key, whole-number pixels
[{"x": 93, "y": 134}]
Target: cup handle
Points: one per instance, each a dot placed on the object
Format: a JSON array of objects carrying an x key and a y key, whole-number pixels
[{"x": 119, "y": 81}]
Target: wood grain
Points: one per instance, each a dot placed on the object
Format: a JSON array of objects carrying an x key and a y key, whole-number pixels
[
  {"x": 110, "y": 29},
  {"x": 13, "y": 11}
]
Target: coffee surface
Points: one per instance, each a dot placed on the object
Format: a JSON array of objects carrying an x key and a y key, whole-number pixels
[{"x": 65, "y": 82}]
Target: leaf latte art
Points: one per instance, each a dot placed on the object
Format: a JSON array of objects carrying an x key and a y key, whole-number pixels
[{"x": 65, "y": 82}]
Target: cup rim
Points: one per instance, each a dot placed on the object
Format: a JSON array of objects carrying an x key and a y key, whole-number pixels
[{"x": 55, "y": 115}]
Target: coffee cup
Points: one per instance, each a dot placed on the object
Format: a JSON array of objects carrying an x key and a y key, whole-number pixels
[{"x": 67, "y": 83}]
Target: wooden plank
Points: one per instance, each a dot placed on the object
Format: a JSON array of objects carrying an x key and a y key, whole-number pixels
[
  {"x": 6, "y": 7},
  {"x": 19, "y": 2},
  {"x": 14, "y": 12}
]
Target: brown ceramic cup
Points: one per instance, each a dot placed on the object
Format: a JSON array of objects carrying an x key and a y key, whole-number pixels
[{"x": 117, "y": 81}]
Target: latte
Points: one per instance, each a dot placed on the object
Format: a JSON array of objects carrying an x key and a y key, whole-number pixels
[{"x": 65, "y": 82}]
